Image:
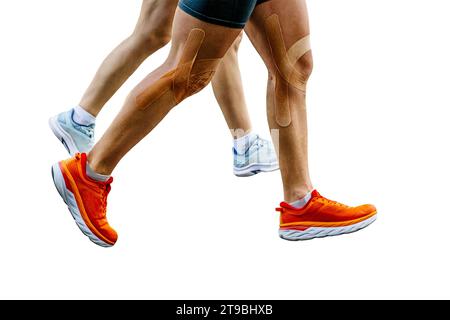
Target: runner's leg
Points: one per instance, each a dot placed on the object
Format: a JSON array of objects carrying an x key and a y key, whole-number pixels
[
  {"x": 151, "y": 33},
  {"x": 229, "y": 92},
  {"x": 286, "y": 107}
]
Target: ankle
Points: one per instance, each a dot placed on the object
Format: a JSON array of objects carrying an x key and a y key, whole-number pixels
[
  {"x": 296, "y": 193},
  {"x": 82, "y": 117},
  {"x": 239, "y": 133},
  {"x": 90, "y": 107},
  {"x": 91, "y": 173},
  {"x": 98, "y": 166}
]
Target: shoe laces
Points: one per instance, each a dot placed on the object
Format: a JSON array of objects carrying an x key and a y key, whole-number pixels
[
  {"x": 86, "y": 130},
  {"x": 104, "y": 192},
  {"x": 330, "y": 202},
  {"x": 260, "y": 143},
  {"x": 89, "y": 131},
  {"x": 257, "y": 144}
]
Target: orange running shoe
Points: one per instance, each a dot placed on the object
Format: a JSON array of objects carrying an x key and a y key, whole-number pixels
[
  {"x": 85, "y": 198},
  {"x": 321, "y": 217}
]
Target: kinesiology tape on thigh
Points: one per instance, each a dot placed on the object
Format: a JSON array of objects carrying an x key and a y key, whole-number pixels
[
  {"x": 287, "y": 77},
  {"x": 190, "y": 76}
]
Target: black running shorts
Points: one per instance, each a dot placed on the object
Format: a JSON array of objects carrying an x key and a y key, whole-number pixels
[{"x": 228, "y": 13}]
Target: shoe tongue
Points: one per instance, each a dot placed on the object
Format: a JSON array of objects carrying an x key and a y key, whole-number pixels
[
  {"x": 315, "y": 193},
  {"x": 109, "y": 181},
  {"x": 83, "y": 159}
]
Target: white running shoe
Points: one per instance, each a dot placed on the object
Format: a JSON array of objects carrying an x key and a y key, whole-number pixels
[
  {"x": 76, "y": 138},
  {"x": 260, "y": 156}
]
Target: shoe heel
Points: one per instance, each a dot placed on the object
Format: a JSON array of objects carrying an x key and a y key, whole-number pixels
[
  {"x": 62, "y": 136},
  {"x": 58, "y": 180}
]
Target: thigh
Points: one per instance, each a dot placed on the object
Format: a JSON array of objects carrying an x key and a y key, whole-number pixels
[
  {"x": 156, "y": 13},
  {"x": 215, "y": 43},
  {"x": 292, "y": 16}
]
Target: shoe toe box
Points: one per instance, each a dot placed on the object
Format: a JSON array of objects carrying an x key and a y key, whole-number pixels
[
  {"x": 108, "y": 234},
  {"x": 365, "y": 210}
]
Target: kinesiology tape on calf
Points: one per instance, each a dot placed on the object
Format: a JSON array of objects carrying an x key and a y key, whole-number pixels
[
  {"x": 287, "y": 77},
  {"x": 190, "y": 76}
]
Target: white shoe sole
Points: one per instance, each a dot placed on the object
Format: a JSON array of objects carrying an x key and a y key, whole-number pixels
[
  {"x": 254, "y": 169},
  {"x": 69, "y": 199},
  {"x": 63, "y": 136},
  {"x": 316, "y": 232}
]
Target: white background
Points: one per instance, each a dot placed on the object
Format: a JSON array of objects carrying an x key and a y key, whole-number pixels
[{"x": 379, "y": 108}]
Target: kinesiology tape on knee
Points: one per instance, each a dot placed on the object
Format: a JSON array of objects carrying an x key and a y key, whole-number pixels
[
  {"x": 287, "y": 76},
  {"x": 190, "y": 76}
]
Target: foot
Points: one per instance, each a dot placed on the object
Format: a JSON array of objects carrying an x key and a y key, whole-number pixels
[
  {"x": 260, "y": 156},
  {"x": 321, "y": 217},
  {"x": 85, "y": 198},
  {"x": 75, "y": 137}
]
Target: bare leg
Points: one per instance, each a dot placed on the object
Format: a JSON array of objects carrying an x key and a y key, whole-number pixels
[
  {"x": 151, "y": 33},
  {"x": 229, "y": 92},
  {"x": 136, "y": 119},
  {"x": 293, "y": 142}
]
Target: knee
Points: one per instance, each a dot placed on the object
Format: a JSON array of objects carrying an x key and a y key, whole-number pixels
[
  {"x": 176, "y": 84},
  {"x": 196, "y": 83},
  {"x": 190, "y": 75},
  {"x": 152, "y": 38},
  {"x": 305, "y": 66}
]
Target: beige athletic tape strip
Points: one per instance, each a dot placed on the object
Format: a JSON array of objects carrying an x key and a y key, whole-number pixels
[
  {"x": 190, "y": 76},
  {"x": 182, "y": 74},
  {"x": 152, "y": 94},
  {"x": 299, "y": 49},
  {"x": 285, "y": 62},
  {"x": 205, "y": 65},
  {"x": 201, "y": 74}
]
